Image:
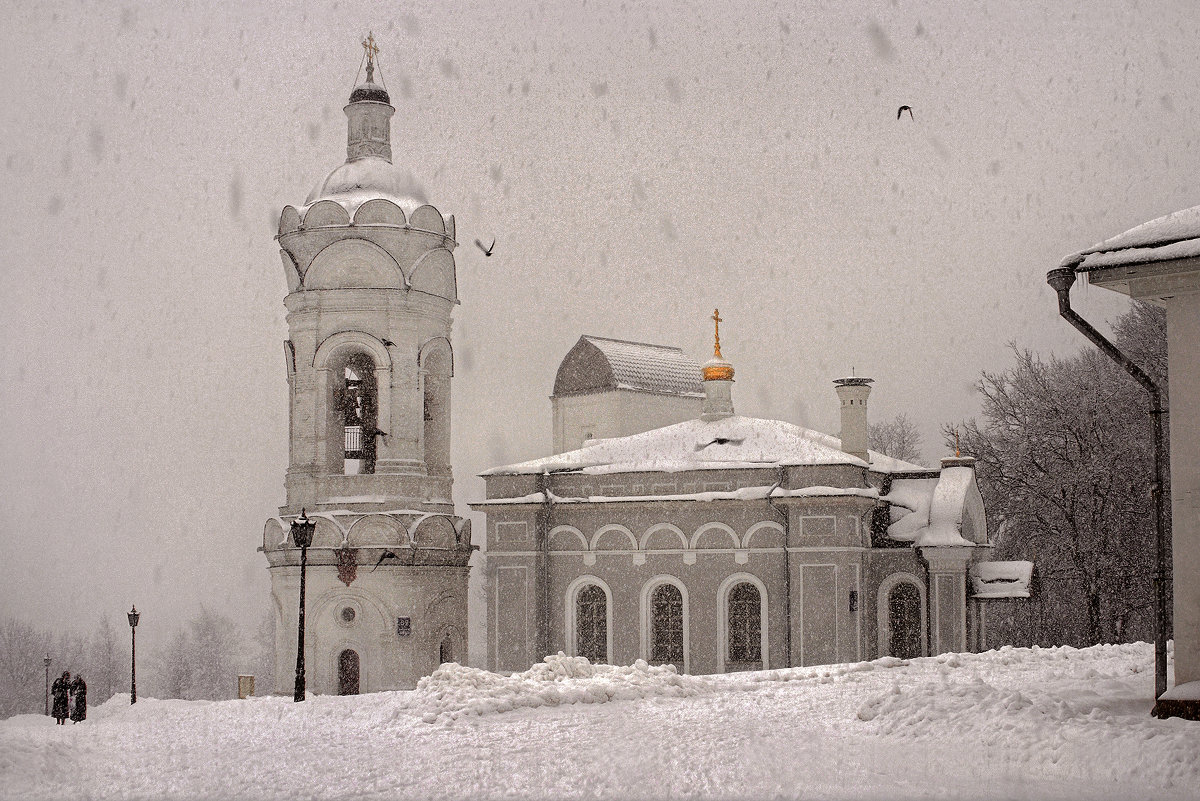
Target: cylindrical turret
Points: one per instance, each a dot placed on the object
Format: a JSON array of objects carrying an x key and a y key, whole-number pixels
[
  {"x": 718, "y": 379},
  {"x": 853, "y": 392}
]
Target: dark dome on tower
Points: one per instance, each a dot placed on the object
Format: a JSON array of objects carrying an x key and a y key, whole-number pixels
[{"x": 370, "y": 92}]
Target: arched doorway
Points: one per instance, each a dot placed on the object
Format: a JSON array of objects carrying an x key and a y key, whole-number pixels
[
  {"x": 904, "y": 621},
  {"x": 348, "y": 672},
  {"x": 445, "y": 651}
]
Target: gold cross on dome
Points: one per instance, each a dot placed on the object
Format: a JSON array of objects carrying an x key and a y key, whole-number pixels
[
  {"x": 716, "y": 318},
  {"x": 372, "y": 51}
]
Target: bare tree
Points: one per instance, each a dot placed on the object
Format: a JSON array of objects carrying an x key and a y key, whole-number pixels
[
  {"x": 1065, "y": 466},
  {"x": 897, "y": 438},
  {"x": 22, "y": 671}
]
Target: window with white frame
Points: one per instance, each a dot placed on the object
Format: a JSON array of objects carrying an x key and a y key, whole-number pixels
[
  {"x": 745, "y": 623},
  {"x": 666, "y": 625}
]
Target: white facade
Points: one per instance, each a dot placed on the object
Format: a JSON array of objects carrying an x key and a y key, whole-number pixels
[{"x": 371, "y": 279}]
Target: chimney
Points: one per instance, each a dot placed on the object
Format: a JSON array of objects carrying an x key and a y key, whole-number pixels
[{"x": 853, "y": 392}]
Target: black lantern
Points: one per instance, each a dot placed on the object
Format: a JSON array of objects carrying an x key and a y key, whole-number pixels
[
  {"x": 133, "y": 616},
  {"x": 302, "y": 536},
  {"x": 47, "y": 661}
]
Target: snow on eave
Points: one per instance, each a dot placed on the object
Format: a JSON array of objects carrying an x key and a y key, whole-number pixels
[{"x": 1172, "y": 236}]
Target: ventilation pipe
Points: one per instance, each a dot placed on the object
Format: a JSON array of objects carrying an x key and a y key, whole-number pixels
[{"x": 1061, "y": 280}]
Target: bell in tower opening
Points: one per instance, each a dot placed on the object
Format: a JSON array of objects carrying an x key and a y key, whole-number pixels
[{"x": 370, "y": 362}]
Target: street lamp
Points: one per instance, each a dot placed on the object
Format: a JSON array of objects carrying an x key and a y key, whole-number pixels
[
  {"x": 133, "y": 621},
  {"x": 302, "y": 535},
  {"x": 47, "y": 661}
]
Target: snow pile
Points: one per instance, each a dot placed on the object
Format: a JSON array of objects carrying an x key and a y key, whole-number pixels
[{"x": 454, "y": 690}]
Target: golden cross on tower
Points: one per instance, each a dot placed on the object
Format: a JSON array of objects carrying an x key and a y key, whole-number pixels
[
  {"x": 372, "y": 51},
  {"x": 716, "y": 317}
]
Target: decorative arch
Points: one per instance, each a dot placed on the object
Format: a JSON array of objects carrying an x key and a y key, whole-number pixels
[
  {"x": 289, "y": 220},
  {"x": 630, "y": 540},
  {"x": 379, "y": 211},
  {"x": 435, "y": 362},
  {"x": 353, "y": 263},
  {"x": 275, "y": 534},
  {"x": 449, "y": 633},
  {"x": 768, "y": 525},
  {"x": 882, "y": 627},
  {"x": 435, "y": 531},
  {"x": 437, "y": 356},
  {"x": 565, "y": 532},
  {"x": 325, "y": 213},
  {"x": 734, "y": 540},
  {"x": 678, "y": 540},
  {"x": 647, "y": 592},
  {"x": 572, "y": 627},
  {"x": 434, "y": 274},
  {"x": 427, "y": 218},
  {"x": 358, "y": 340},
  {"x": 291, "y": 272},
  {"x": 723, "y": 617},
  {"x": 376, "y": 530}
]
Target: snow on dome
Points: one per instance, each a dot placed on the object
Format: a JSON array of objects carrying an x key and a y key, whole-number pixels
[
  {"x": 1172, "y": 236},
  {"x": 370, "y": 91},
  {"x": 369, "y": 178},
  {"x": 696, "y": 445}
]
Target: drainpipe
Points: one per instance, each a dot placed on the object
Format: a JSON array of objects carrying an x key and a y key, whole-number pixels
[
  {"x": 1061, "y": 280},
  {"x": 542, "y": 567},
  {"x": 787, "y": 565}
]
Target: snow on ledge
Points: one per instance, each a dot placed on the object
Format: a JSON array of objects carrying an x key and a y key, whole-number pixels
[{"x": 1001, "y": 579}]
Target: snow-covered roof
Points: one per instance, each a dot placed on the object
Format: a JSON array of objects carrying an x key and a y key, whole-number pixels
[
  {"x": 696, "y": 445},
  {"x": 946, "y": 510},
  {"x": 1001, "y": 579},
  {"x": 1173, "y": 236},
  {"x": 742, "y": 494},
  {"x": 596, "y": 363}
]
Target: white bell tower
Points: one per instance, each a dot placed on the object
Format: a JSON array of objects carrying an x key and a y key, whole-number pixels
[{"x": 371, "y": 290}]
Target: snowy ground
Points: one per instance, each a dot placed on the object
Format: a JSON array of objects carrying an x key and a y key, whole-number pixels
[{"x": 1014, "y": 723}]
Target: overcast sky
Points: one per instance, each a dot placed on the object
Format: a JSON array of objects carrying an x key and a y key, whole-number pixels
[{"x": 637, "y": 166}]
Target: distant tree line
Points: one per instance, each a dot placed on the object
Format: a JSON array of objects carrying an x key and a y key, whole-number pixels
[
  {"x": 200, "y": 660},
  {"x": 1065, "y": 464}
]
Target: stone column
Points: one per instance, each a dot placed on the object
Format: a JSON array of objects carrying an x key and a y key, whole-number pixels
[
  {"x": 947, "y": 598},
  {"x": 1183, "y": 349}
]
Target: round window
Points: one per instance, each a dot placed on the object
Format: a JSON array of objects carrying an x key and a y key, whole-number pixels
[{"x": 348, "y": 614}]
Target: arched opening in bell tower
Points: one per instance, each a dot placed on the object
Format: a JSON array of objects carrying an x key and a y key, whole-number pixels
[
  {"x": 354, "y": 414},
  {"x": 436, "y": 370}
]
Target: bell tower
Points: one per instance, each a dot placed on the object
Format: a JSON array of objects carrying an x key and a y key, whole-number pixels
[{"x": 370, "y": 273}]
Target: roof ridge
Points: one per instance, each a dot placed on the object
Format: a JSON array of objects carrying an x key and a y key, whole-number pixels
[{"x": 675, "y": 348}]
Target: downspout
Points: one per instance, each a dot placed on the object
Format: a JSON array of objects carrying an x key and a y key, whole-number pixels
[
  {"x": 542, "y": 566},
  {"x": 1061, "y": 279},
  {"x": 787, "y": 565}
]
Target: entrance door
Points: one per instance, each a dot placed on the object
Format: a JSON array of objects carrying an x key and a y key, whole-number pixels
[
  {"x": 445, "y": 651},
  {"x": 348, "y": 672},
  {"x": 904, "y": 621}
]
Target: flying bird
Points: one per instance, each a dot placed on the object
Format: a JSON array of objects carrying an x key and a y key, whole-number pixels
[
  {"x": 388, "y": 343},
  {"x": 384, "y": 555},
  {"x": 903, "y": 109},
  {"x": 488, "y": 250}
]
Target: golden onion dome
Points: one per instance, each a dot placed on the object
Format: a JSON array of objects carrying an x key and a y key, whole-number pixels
[{"x": 717, "y": 368}]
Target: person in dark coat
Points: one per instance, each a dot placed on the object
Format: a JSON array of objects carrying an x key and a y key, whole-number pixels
[
  {"x": 79, "y": 692},
  {"x": 61, "y": 692}
]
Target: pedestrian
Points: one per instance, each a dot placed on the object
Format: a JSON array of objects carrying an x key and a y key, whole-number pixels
[
  {"x": 61, "y": 691},
  {"x": 79, "y": 691}
]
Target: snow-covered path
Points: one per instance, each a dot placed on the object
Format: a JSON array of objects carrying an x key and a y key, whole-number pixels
[{"x": 1016, "y": 723}]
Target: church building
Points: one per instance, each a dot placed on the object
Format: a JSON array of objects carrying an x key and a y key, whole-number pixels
[
  {"x": 722, "y": 542},
  {"x": 371, "y": 288}
]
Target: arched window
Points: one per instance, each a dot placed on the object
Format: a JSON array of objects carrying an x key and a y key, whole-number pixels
[
  {"x": 745, "y": 627},
  {"x": 348, "y": 672},
  {"x": 356, "y": 410},
  {"x": 591, "y": 624},
  {"x": 666, "y": 625},
  {"x": 445, "y": 651},
  {"x": 436, "y": 370}
]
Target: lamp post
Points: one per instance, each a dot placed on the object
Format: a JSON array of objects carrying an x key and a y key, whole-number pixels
[
  {"x": 302, "y": 535},
  {"x": 47, "y": 661},
  {"x": 133, "y": 621}
]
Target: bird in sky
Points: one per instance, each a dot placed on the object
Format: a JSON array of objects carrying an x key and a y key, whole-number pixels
[
  {"x": 384, "y": 555},
  {"x": 488, "y": 250},
  {"x": 903, "y": 109}
]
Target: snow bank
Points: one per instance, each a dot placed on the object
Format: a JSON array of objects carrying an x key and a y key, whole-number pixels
[{"x": 454, "y": 690}]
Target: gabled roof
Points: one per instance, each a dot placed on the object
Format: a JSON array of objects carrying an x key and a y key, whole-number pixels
[
  {"x": 696, "y": 445},
  {"x": 599, "y": 363}
]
